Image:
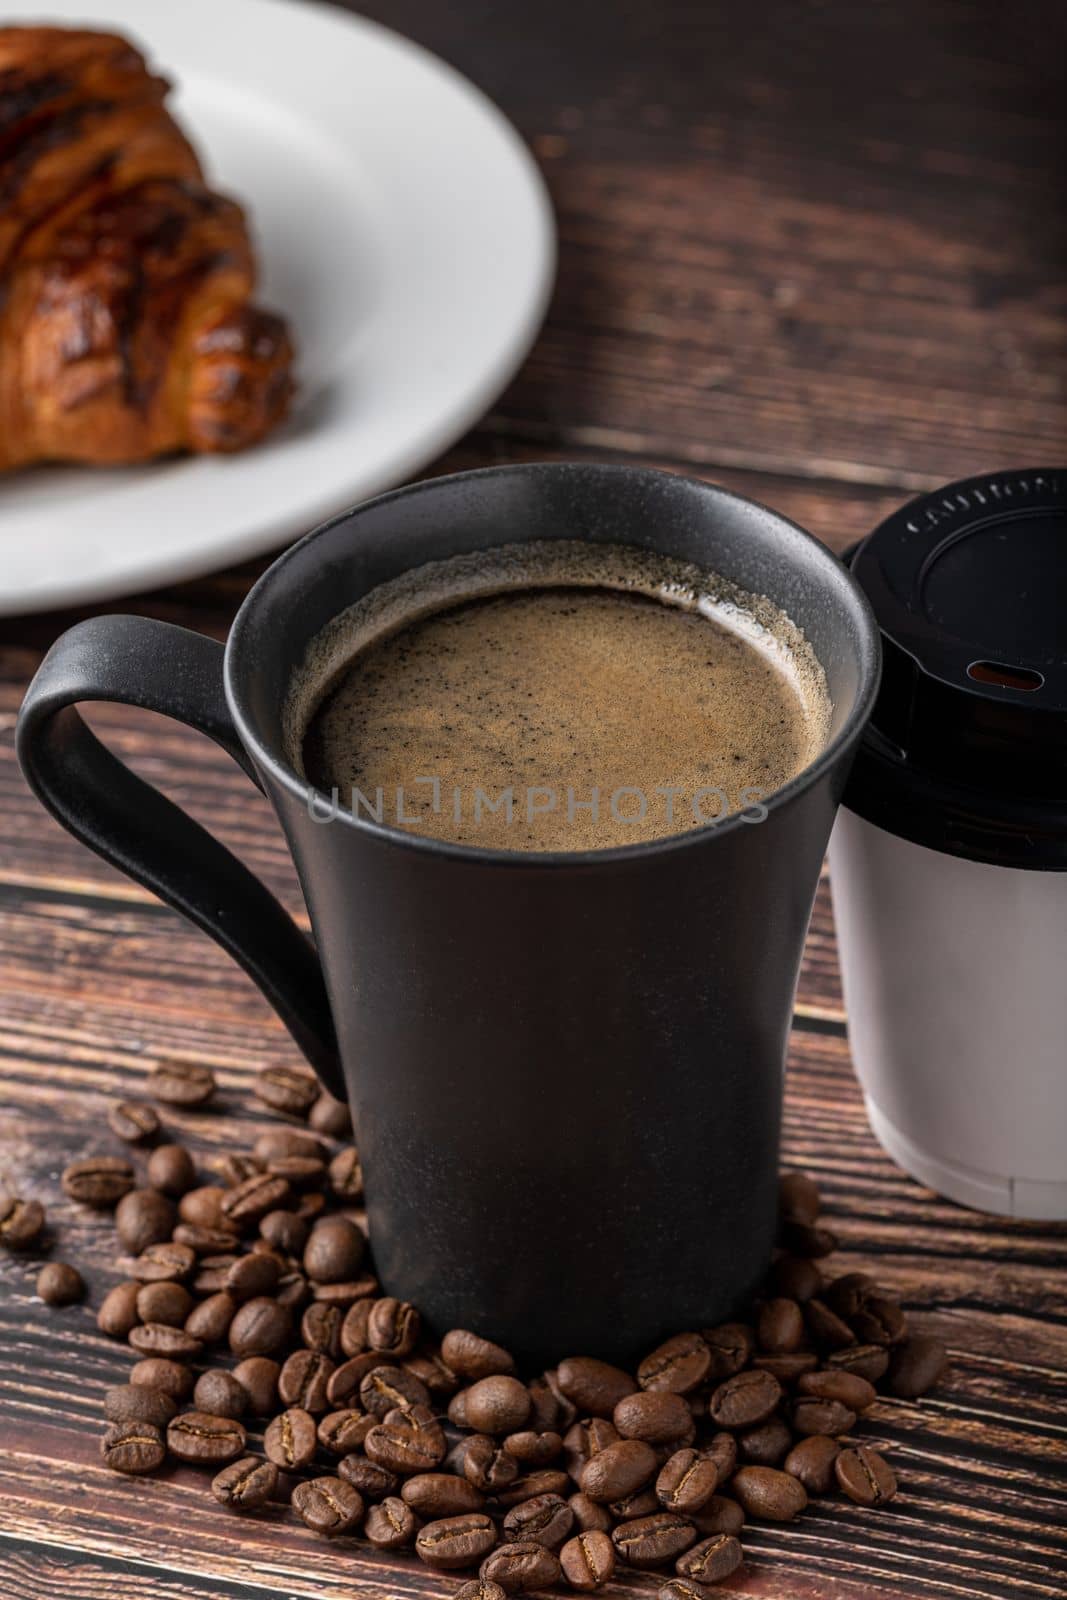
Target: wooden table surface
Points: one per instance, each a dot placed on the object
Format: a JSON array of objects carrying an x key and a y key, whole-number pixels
[{"x": 812, "y": 251}]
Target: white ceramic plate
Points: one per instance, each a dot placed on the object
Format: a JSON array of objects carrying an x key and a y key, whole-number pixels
[{"x": 403, "y": 230}]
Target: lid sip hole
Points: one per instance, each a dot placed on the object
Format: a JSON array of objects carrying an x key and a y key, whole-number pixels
[{"x": 1021, "y": 678}]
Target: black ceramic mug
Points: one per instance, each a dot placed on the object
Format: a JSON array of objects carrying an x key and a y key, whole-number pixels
[{"x": 565, "y": 1069}]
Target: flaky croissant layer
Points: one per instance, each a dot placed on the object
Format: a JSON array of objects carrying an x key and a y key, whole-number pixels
[{"x": 127, "y": 326}]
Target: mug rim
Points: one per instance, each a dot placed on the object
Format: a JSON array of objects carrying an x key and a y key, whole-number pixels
[{"x": 266, "y": 755}]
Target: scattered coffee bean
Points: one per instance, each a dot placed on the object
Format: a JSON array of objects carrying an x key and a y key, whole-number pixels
[
  {"x": 143, "y": 1217},
  {"x": 287, "y": 1089},
  {"x": 719, "y": 1515},
  {"x": 372, "y": 1481},
  {"x": 181, "y": 1083},
  {"x": 284, "y": 1231},
  {"x": 879, "y": 1321},
  {"x": 432, "y": 1495},
  {"x": 260, "y": 1327},
  {"x": 118, "y": 1310},
  {"x": 245, "y": 1485},
  {"x": 796, "y": 1278},
  {"x": 133, "y": 1402},
  {"x": 779, "y": 1326},
  {"x": 341, "y": 1432},
  {"x": 533, "y": 1449},
  {"x": 545, "y": 1518},
  {"x": 455, "y": 1542},
  {"x": 521, "y": 1568},
  {"x": 346, "y": 1380},
  {"x": 258, "y": 1376},
  {"x": 487, "y": 1465},
  {"x": 766, "y": 1444},
  {"x": 654, "y": 1540},
  {"x": 252, "y": 1275},
  {"x": 768, "y": 1494},
  {"x": 158, "y": 1372},
  {"x": 334, "y": 1251},
  {"x": 721, "y": 1448},
  {"x": 220, "y": 1393},
  {"x": 133, "y": 1447},
  {"x": 480, "y": 1589},
  {"x": 165, "y": 1302},
  {"x": 618, "y": 1470},
  {"x": 472, "y": 1358},
  {"x": 328, "y": 1505},
  {"x": 391, "y": 1525},
  {"x": 133, "y": 1121},
  {"x": 164, "y": 1263},
  {"x": 253, "y": 1199},
  {"x": 788, "y": 1366},
  {"x": 343, "y": 1294},
  {"x": 680, "y": 1365},
  {"x": 711, "y": 1560},
  {"x": 916, "y": 1365},
  {"x": 160, "y": 1339},
  {"x": 331, "y": 1117},
  {"x": 304, "y": 1379},
  {"x": 170, "y": 1169},
  {"x": 656, "y": 1416},
  {"x": 407, "y": 1442},
  {"x": 59, "y": 1284},
  {"x": 497, "y": 1405},
  {"x": 198, "y": 1438},
  {"x": 203, "y": 1207},
  {"x": 811, "y": 1416},
  {"x": 730, "y": 1347},
  {"x": 388, "y": 1388},
  {"x": 593, "y": 1386},
  {"x": 588, "y": 1561},
  {"x": 687, "y": 1481},
  {"x": 210, "y": 1320},
  {"x": 812, "y": 1461},
  {"x": 798, "y": 1197},
  {"x": 744, "y": 1400},
  {"x": 98, "y": 1181},
  {"x": 848, "y": 1388},
  {"x": 681, "y": 1589},
  {"x": 865, "y": 1476},
  {"x": 642, "y": 1504},
  {"x": 291, "y": 1439},
  {"x": 393, "y": 1327},
  {"x": 346, "y": 1175},
  {"x": 212, "y": 1272},
  {"x": 588, "y": 1516}
]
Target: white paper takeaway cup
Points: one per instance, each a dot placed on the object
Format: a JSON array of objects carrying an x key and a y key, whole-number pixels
[{"x": 948, "y": 861}]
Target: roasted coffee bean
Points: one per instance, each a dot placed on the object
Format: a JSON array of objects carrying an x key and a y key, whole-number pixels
[
  {"x": 653, "y": 1541},
  {"x": 334, "y": 1251},
  {"x": 258, "y": 1376},
  {"x": 164, "y": 1263},
  {"x": 544, "y": 1481},
  {"x": 455, "y": 1542},
  {"x": 828, "y": 1331},
  {"x": 252, "y": 1199},
  {"x": 487, "y": 1465},
  {"x": 98, "y": 1181},
  {"x": 205, "y": 1241},
  {"x": 260, "y": 1327},
  {"x": 372, "y": 1481},
  {"x": 865, "y": 1476},
  {"x": 210, "y": 1320},
  {"x": 585, "y": 1439},
  {"x": 220, "y": 1393},
  {"x": 279, "y": 1142},
  {"x": 588, "y": 1516},
  {"x": 471, "y": 1357},
  {"x": 588, "y": 1561},
  {"x": 480, "y": 1589},
  {"x": 745, "y": 1400},
  {"x": 290, "y": 1440},
  {"x": 303, "y": 1380},
  {"x": 593, "y": 1386},
  {"x": 170, "y": 1169},
  {"x": 165, "y": 1302},
  {"x": 345, "y": 1175},
  {"x": 719, "y": 1515},
  {"x": 203, "y": 1207},
  {"x": 181, "y": 1083},
  {"x": 787, "y": 1367},
  {"x": 521, "y": 1568},
  {"x": 157, "y": 1372},
  {"x": 431, "y": 1371},
  {"x": 393, "y": 1327},
  {"x": 798, "y": 1197},
  {"x": 796, "y": 1279},
  {"x": 868, "y": 1361},
  {"x": 143, "y": 1217},
  {"x": 391, "y": 1525},
  {"x": 810, "y": 1416},
  {"x": 657, "y": 1417},
  {"x": 341, "y": 1432},
  {"x": 779, "y": 1326},
  {"x": 533, "y": 1449},
  {"x": 641, "y": 1504},
  {"x": 812, "y": 1461},
  {"x": 133, "y": 1121},
  {"x": 286, "y": 1089},
  {"x": 711, "y": 1560},
  {"x": 679, "y": 1366},
  {"x": 354, "y": 1340},
  {"x": 284, "y": 1231},
  {"x": 681, "y": 1589},
  {"x": 550, "y": 1409},
  {"x": 320, "y": 1329},
  {"x": 59, "y": 1284},
  {"x": 496, "y": 1405},
  {"x": 618, "y": 1470},
  {"x": 386, "y": 1388},
  {"x": 546, "y": 1518},
  {"x": 118, "y": 1310},
  {"x": 132, "y": 1402},
  {"x": 212, "y": 1272},
  {"x": 802, "y": 1239},
  {"x": 766, "y": 1444},
  {"x": 845, "y": 1387},
  {"x": 768, "y": 1494},
  {"x": 252, "y": 1275},
  {"x": 847, "y": 1293},
  {"x": 330, "y": 1117},
  {"x": 160, "y": 1339},
  {"x": 133, "y": 1447},
  {"x": 730, "y": 1346},
  {"x": 721, "y": 1449},
  {"x": 344, "y": 1294},
  {"x": 432, "y": 1495},
  {"x": 235, "y": 1168},
  {"x": 344, "y": 1385},
  {"x": 915, "y": 1365},
  {"x": 245, "y": 1485},
  {"x": 299, "y": 1172},
  {"x": 198, "y": 1437},
  {"x": 293, "y": 1292},
  {"x": 457, "y": 1410},
  {"x": 407, "y": 1442},
  {"x": 328, "y": 1505},
  {"x": 687, "y": 1481},
  {"x": 879, "y": 1321}
]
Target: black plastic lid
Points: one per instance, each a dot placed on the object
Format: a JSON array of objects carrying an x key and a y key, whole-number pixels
[{"x": 966, "y": 751}]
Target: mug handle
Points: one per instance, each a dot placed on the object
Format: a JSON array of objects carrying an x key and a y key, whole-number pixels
[{"x": 142, "y": 662}]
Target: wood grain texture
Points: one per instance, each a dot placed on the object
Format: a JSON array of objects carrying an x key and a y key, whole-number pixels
[{"x": 816, "y": 254}]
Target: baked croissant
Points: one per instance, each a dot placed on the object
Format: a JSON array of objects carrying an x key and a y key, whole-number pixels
[{"x": 127, "y": 326}]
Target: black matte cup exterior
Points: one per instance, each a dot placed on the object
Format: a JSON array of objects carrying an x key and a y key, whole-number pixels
[{"x": 565, "y": 1070}]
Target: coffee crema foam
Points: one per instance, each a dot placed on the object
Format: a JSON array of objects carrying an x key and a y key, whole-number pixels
[{"x": 555, "y": 696}]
